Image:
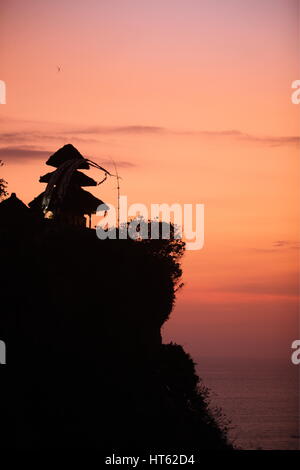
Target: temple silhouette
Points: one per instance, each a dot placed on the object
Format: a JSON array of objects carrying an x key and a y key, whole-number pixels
[
  {"x": 81, "y": 319},
  {"x": 64, "y": 200}
]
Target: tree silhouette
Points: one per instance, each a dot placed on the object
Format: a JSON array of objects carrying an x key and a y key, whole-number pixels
[{"x": 3, "y": 185}]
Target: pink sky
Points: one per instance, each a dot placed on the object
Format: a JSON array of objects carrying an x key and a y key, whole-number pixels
[{"x": 193, "y": 100}]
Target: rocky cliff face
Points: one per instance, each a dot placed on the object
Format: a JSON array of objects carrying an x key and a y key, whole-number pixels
[{"x": 82, "y": 319}]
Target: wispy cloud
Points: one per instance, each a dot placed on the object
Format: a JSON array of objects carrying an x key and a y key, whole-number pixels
[
  {"x": 34, "y": 136},
  {"x": 273, "y": 141},
  {"x": 279, "y": 246},
  {"x": 287, "y": 244},
  {"x": 131, "y": 129},
  {"x": 276, "y": 285},
  {"x": 23, "y": 153},
  {"x": 86, "y": 134},
  {"x": 30, "y": 152},
  {"x": 119, "y": 163}
]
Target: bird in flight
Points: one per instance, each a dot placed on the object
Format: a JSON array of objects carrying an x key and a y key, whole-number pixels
[{"x": 58, "y": 68}]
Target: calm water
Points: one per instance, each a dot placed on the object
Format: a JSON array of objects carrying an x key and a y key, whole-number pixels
[{"x": 261, "y": 398}]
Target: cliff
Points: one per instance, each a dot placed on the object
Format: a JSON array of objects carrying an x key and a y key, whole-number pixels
[{"x": 81, "y": 320}]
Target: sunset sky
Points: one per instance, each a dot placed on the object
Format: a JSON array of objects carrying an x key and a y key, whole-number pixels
[{"x": 193, "y": 100}]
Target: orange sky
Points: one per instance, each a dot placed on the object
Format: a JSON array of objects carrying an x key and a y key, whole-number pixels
[{"x": 192, "y": 99}]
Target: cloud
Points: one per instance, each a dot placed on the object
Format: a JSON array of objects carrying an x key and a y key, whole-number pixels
[
  {"x": 74, "y": 134},
  {"x": 287, "y": 244},
  {"x": 276, "y": 286},
  {"x": 90, "y": 134},
  {"x": 34, "y": 136},
  {"x": 273, "y": 141},
  {"x": 134, "y": 129},
  {"x": 119, "y": 163},
  {"x": 281, "y": 243},
  {"x": 29, "y": 152},
  {"x": 279, "y": 246},
  {"x": 23, "y": 153}
]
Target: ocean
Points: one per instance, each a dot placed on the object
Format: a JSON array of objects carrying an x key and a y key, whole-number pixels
[{"x": 260, "y": 397}]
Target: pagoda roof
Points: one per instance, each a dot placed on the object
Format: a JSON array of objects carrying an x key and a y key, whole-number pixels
[
  {"x": 65, "y": 153},
  {"x": 36, "y": 203},
  {"x": 83, "y": 201},
  {"x": 78, "y": 178},
  {"x": 76, "y": 201}
]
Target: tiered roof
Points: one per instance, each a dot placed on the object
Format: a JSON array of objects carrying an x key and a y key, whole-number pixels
[{"x": 75, "y": 200}]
